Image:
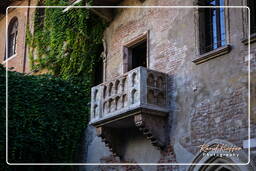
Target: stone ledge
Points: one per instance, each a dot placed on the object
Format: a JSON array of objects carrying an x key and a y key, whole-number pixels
[
  {"x": 252, "y": 39},
  {"x": 212, "y": 54}
]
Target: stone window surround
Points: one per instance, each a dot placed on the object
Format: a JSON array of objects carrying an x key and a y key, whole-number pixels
[
  {"x": 212, "y": 54},
  {"x": 10, "y": 58},
  {"x": 135, "y": 40},
  {"x": 252, "y": 36},
  {"x": 252, "y": 39},
  {"x": 6, "y": 58},
  {"x": 201, "y": 58}
]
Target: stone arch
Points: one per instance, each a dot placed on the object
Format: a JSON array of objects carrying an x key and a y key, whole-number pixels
[
  {"x": 151, "y": 80},
  {"x": 124, "y": 84},
  {"x": 221, "y": 163},
  {"x": 12, "y": 37},
  {"x": 105, "y": 107},
  {"x": 95, "y": 111},
  {"x": 104, "y": 91},
  {"x": 95, "y": 95},
  {"x": 118, "y": 103},
  {"x": 117, "y": 86},
  {"x": 134, "y": 75},
  {"x": 134, "y": 96},
  {"x": 110, "y": 87},
  {"x": 150, "y": 96},
  {"x": 111, "y": 105},
  {"x": 160, "y": 99},
  {"x": 160, "y": 82},
  {"x": 124, "y": 100}
]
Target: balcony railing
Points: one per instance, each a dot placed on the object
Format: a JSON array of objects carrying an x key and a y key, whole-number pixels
[{"x": 139, "y": 88}]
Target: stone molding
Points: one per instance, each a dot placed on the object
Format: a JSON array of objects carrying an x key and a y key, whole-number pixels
[{"x": 212, "y": 54}]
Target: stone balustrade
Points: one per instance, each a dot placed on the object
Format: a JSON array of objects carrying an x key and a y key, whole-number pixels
[{"x": 138, "y": 88}]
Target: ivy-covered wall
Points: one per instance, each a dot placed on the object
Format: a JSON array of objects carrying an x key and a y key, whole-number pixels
[
  {"x": 47, "y": 114},
  {"x": 67, "y": 44}
]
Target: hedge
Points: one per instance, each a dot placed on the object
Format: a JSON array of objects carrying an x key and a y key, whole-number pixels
[{"x": 46, "y": 118}]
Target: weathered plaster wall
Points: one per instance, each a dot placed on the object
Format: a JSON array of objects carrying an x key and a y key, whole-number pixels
[
  {"x": 17, "y": 61},
  {"x": 207, "y": 101}
]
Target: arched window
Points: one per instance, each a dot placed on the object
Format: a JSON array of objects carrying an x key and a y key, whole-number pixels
[{"x": 12, "y": 36}]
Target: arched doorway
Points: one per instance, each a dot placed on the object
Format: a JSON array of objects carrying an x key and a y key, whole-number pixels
[
  {"x": 219, "y": 167},
  {"x": 216, "y": 163}
]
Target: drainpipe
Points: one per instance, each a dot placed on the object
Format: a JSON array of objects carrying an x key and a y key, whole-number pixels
[{"x": 25, "y": 50}]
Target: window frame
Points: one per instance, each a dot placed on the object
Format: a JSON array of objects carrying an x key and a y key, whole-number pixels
[
  {"x": 11, "y": 26},
  {"x": 245, "y": 22},
  {"x": 251, "y": 31},
  {"x": 127, "y": 53},
  {"x": 222, "y": 50},
  {"x": 205, "y": 36}
]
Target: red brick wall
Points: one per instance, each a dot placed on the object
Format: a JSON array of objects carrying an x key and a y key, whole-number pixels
[{"x": 17, "y": 61}]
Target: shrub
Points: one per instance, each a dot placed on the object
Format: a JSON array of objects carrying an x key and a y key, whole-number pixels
[{"x": 46, "y": 117}]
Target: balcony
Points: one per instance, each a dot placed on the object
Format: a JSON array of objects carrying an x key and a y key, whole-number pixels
[{"x": 138, "y": 98}]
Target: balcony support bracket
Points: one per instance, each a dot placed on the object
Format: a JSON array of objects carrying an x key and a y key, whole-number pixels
[
  {"x": 153, "y": 127},
  {"x": 109, "y": 137}
]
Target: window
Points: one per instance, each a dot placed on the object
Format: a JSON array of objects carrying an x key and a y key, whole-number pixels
[
  {"x": 135, "y": 54},
  {"x": 139, "y": 55},
  {"x": 211, "y": 25},
  {"x": 98, "y": 69},
  {"x": 40, "y": 15},
  {"x": 252, "y": 6},
  {"x": 98, "y": 72},
  {"x": 12, "y": 37}
]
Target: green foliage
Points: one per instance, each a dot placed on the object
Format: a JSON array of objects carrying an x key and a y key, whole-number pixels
[
  {"x": 67, "y": 44},
  {"x": 46, "y": 118},
  {"x": 47, "y": 114}
]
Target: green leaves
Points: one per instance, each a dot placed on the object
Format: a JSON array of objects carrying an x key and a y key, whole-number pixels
[
  {"x": 46, "y": 116},
  {"x": 69, "y": 43}
]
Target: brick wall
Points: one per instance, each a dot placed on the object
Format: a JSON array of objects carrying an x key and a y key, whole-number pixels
[
  {"x": 17, "y": 61},
  {"x": 207, "y": 101}
]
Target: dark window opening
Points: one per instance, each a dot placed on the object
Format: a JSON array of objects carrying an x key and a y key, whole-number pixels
[
  {"x": 98, "y": 74},
  {"x": 252, "y": 6},
  {"x": 211, "y": 26},
  {"x": 98, "y": 70},
  {"x": 139, "y": 55},
  {"x": 135, "y": 55},
  {"x": 40, "y": 15},
  {"x": 12, "y": 37}
]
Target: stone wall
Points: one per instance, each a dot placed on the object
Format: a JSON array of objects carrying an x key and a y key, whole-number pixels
[{"x": 208, "y": 101}]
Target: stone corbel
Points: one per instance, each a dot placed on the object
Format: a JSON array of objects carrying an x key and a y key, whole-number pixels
[
  {"x": 153, "y": 127},
  {"x": 109, "y": 137}
]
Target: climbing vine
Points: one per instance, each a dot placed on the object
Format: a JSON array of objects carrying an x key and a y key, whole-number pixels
[
  {"x": 67, "y": 44},
  {"x": 49, "y": 113}
]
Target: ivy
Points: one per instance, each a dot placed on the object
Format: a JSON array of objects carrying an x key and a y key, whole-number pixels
[
  {"x": 67, "y": 44},
  {"x": 48, "y": 113}
]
